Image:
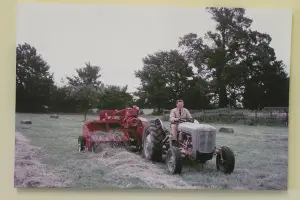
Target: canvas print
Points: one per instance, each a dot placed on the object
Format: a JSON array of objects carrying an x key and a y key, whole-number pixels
[{"x": 115, "y": 96}]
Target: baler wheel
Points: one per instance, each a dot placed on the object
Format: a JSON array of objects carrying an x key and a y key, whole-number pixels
[
  {"x": 81, "y": 143},
  {"x": 92, "y": 147}
]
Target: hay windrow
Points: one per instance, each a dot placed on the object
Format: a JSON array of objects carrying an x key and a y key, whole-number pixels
[
  {"x": 29, "y": 172},
  {"x": 261, "y": 155},
  {"x": 124, "y": 164}
]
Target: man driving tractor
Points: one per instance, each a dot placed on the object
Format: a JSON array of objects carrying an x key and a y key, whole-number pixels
[{"x": 178, "y": 113}]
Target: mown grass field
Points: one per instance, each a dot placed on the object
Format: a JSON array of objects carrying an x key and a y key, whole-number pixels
[{"x": 52, "y": 160}]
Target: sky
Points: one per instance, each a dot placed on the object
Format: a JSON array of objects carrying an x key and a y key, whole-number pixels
[{"x": 116, "y": 38}]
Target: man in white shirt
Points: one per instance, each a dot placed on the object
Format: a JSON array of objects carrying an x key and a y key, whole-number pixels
[{"x": 175, "y": 114}]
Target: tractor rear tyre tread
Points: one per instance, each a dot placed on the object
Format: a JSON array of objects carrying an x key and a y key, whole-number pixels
[
  {"x": 229, "y": 158},
  {"x": 157, "y": 136}
]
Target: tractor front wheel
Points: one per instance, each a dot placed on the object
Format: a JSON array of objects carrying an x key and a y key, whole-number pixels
[
  {"x": 174, "y": 160},
  {"x": 225, "y": 160},
  {"x": 81, "y": 143}
]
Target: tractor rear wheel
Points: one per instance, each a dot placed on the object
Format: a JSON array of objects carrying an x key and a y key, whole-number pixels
[
  {"x": 225, "y": 160},
  {"x": 152, "y": 139},
  {"x": 174, "y": 161},
  {"x": 81, "y": 143}
]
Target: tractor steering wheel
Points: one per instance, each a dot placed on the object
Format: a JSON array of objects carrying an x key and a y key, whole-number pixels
[{"x": 181, "y": 120}]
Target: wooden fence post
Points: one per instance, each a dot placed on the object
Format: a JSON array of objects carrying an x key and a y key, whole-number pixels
[
  {"x": 271, "y": 117},
  {"x": 255, "y": 116}
]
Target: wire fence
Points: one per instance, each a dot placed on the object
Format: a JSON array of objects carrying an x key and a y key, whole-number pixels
[
  {"x": 272, "y": 116},
  {"x": 267, "y": 116}
]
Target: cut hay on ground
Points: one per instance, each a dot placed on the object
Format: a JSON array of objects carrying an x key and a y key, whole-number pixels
[
  {"x": 261, "y": 159},
  {"x": 129, "y": 170},
  {"x": 29, "y": 172}
]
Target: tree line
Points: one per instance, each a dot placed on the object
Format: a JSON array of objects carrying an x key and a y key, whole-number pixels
[
  {"x": 37, "y": 92},
  {"x": 230, "y": 66}
]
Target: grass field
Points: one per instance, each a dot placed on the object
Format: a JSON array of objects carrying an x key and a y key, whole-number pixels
[{"x": 47, "y": 156}]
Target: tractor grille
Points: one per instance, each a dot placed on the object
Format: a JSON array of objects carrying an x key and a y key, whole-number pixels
[{"x": 204, "y": 141}]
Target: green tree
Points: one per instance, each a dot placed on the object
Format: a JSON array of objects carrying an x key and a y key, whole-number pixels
[
  {"x": 164, "y": 77},
  {"x": 115, "y": 97},
  {"x": 34, "y": 81},
  {"x": 153, "y": 81},
  {"x": 88, "y": 75},
  {"x": 61, "y": 102},
  {"x": 267, "y": 88},
  {"x": 85, "y": 87},
  {"x": 140, "y": 98},
  {"x": 233, "y": 56},
  {"x": 197, "y": 95}
]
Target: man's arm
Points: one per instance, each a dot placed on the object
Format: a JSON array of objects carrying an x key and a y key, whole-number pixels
[
  {"x": 188, "y": 114},
  {"x": 172, "y": 116}
]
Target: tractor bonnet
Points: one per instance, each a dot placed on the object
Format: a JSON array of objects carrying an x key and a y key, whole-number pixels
[{"x": 203, "y": 136}]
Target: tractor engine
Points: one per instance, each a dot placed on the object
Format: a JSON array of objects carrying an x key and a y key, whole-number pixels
[
  {"x": 187, "y": 145},
  {"x": 199, "y": 139}
]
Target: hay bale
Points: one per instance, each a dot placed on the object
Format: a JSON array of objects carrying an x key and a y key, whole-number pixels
[
  {"x": 226, "y": 130},
  {"x": 251, "y": 123},
  {"x": 54, "y": 116},
  {"x": 26, "y": 122}
]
